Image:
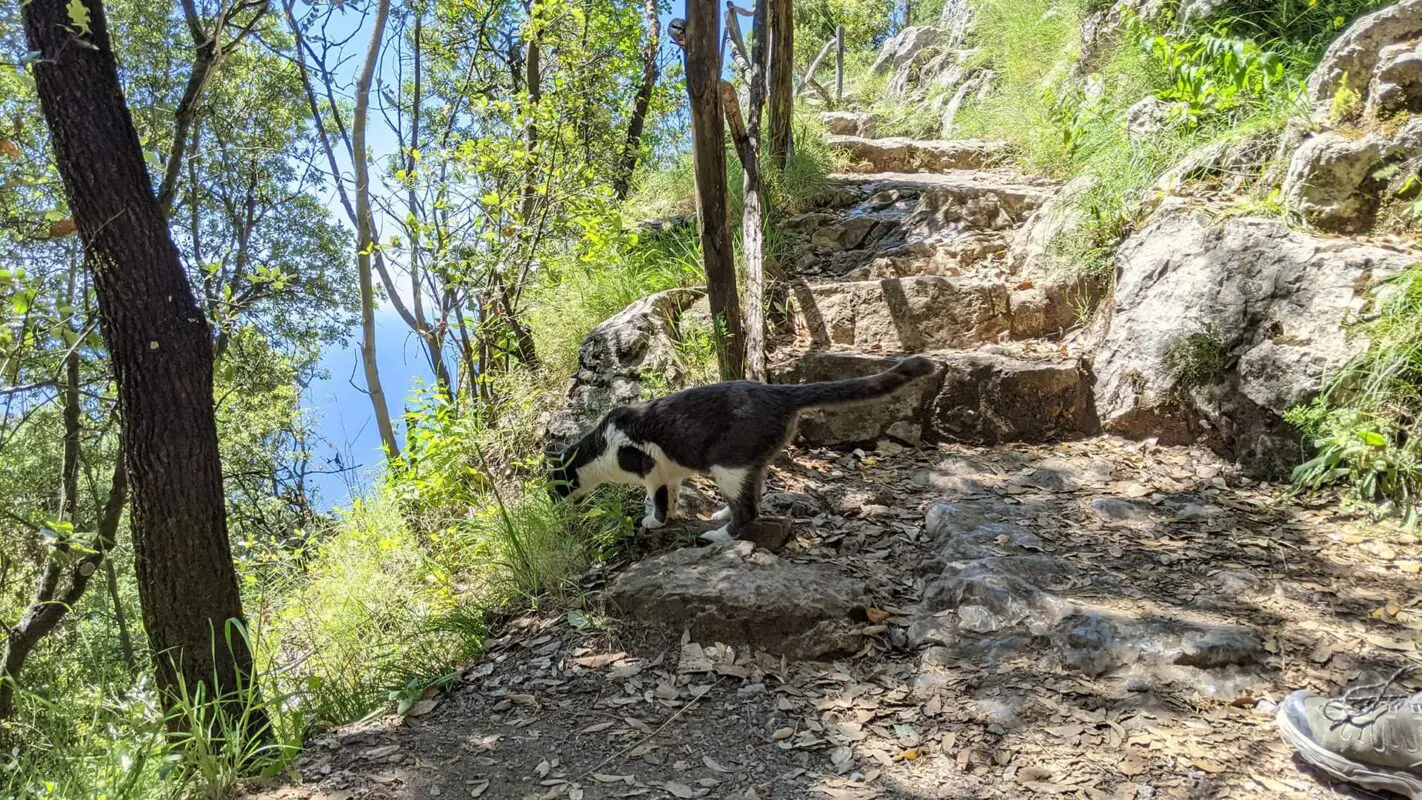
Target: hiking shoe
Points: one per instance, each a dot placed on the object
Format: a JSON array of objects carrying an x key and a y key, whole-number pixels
[{"x": 1374, "y": 741}]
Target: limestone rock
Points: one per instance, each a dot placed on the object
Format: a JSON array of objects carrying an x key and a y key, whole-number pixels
[
  {"x": 901, "y": 314},
  {"x": 910, "y": 43},
  {"x": 1150, "y": 116},
  {"x": 1396, "y": 86},
  {"x": 899, "y": 154},
  {"x": 638, "y": 340},
  {"x": 1334, "y": 181},
  {"x": 849, "y": 123},
  {"x": 983, "y": 396},
  {"x": 991, "y": 397},
  {"x": 1353, "y": 58},
  {"x": 1245, "y": 292},
  {"x": 739, "y": 595},
  {"x": 858, "y": 422}
]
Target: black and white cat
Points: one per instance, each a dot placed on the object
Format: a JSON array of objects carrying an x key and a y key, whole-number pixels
[{"x": 730, "y": 431}]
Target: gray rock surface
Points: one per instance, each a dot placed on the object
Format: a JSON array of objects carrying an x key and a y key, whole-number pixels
[
  {"x": 1396, "y": 86},
  {"x": 985, "y": 396},
  {"x": 738, "y": 594},
  {"x": 1266, "y": 303},
  {"x": 1337, "y": 181},
  {"x": 1353, "y": 58},
  {"x": 899, "y": 154},
  {"x": 639, "y": 340},
  {"x": 990, "y": 595},
  {"x": 849, "y": 123}
]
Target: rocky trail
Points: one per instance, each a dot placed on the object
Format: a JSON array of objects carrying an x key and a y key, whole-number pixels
[
  {"x": 979, "y": 589},
  {"x": 1091, "y": 619}
]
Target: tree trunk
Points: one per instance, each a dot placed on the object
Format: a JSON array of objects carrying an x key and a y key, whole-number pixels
[
  {"x": 708, "y": 155},
  {"x": 782, "y": 79},
  {"x": 161, "y": 352},
  {"x": 622, "y": 184},
  {"x": 364, "y": 239},
  {"x": 752, "y": 230}
]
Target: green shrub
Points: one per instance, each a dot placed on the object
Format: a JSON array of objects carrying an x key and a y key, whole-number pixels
[{"x": 1366, "y": 427}]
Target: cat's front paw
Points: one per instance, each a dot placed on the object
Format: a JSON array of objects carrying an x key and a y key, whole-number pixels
[{"x": 651, "y": 523}]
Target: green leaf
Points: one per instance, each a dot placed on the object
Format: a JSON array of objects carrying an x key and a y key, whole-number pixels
[
  {"x": 78, "y": 15},
  {"x": 1372, "y": 438}
]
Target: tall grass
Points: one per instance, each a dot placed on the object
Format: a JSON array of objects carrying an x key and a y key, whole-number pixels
[{"x": 1366, "y": 427}]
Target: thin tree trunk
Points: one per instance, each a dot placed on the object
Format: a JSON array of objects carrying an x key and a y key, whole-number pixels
[
  {"x": 364, "y": 239},
  {"x": 708, "y": 155},
  {"x": 161, "y": 351},
  {"x": 782, "y": 79},
  {"x": 622, "y": 184},
  {"x": 752, "y": 218}
]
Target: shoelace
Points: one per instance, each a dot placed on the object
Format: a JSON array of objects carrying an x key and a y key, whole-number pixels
[{"x": 1379, "y": 701}]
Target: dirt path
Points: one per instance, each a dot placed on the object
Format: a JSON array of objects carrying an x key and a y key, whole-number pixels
[{"x": 1156, "y": 540}]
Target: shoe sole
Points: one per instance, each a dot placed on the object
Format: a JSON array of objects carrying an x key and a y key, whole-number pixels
[{"x": 1368, "y": 776}]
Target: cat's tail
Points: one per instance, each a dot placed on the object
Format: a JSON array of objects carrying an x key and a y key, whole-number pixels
[{"x": 854, "y": 390}]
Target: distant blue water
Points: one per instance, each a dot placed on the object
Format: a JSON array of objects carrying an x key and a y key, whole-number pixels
[{"x": 342, "y": 412}]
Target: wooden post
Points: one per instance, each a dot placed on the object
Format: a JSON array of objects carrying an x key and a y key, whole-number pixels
[
  {"x": 815, "y": 67},
  {"x": 708, "y": 155},
  {"x": 838, "y": 65},
  {"x": 782, "y": 79}
]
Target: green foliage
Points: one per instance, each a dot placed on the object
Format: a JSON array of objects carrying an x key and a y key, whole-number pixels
[
  {"x": 1213, "y": 75},
  {"x": 1197, "y": 359},
  {"x": 1366, "y": 428},
  {"x": 863, "y": 22}
]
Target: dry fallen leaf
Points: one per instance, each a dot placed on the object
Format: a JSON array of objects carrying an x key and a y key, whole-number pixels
[
  {"x": 783, "y": 733},
  {"x": 679, "y": 790},
  {"x": 877, "y": 615},
  {"x": 600, "y": 660},
  {"x": 478, "y": 789}
]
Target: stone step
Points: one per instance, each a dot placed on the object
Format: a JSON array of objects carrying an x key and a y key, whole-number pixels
[
  {"x": 898, "y": 154},
  {"x": 927, "y": 312},
  {"x": 987, "y": 395},
  {"x": 849, "y": 123},
  {"x": 941, "y": 226},
  {"x": 1016, "y": 194}
]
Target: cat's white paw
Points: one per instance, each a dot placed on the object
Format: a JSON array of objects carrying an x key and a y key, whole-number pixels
[
  {"x": 724, "y": 512},
  {"x": 721, "y": 534},
  {"x": 651, "y": 523}
]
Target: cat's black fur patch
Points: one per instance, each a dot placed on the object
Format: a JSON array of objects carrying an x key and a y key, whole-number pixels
[
  {"x": 661, "y": 500},
  {"x": 635, "y": 461}
]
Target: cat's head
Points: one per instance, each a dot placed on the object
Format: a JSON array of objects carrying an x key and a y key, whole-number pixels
[{"x": 565, "y": 463}]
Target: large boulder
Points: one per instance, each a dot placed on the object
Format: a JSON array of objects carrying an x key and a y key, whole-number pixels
[
  {"x": 911, "y": 44},
  {"x": 1336, "y": 181},
  {"x": 1369, "y": 76},
  {"x": 738, "y": 594},
  {"x": 1354, "y": 58},
  {"x": 1219, "y": 327},
  {"x": 615, "y": 358}
]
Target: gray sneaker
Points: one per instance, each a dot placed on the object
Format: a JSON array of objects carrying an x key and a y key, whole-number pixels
[{"x": 1373, "y": 741}]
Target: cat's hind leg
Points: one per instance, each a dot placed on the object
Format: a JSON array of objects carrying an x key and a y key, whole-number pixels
[{"x": 741, "y": 486}]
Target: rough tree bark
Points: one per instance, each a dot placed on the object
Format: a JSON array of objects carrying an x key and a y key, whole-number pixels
[
  {"x": 365, "y": 241},
  {"x": 747, "y": 140},
  {"x": 782, "y": 79},
  {"x": 622, "y": 184},
  {"x": 161, "y": 352},
  {"x": 708, "y": 155}
]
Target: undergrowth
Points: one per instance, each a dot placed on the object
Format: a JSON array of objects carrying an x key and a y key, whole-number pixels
[{"x": 1366, "y": 427}]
